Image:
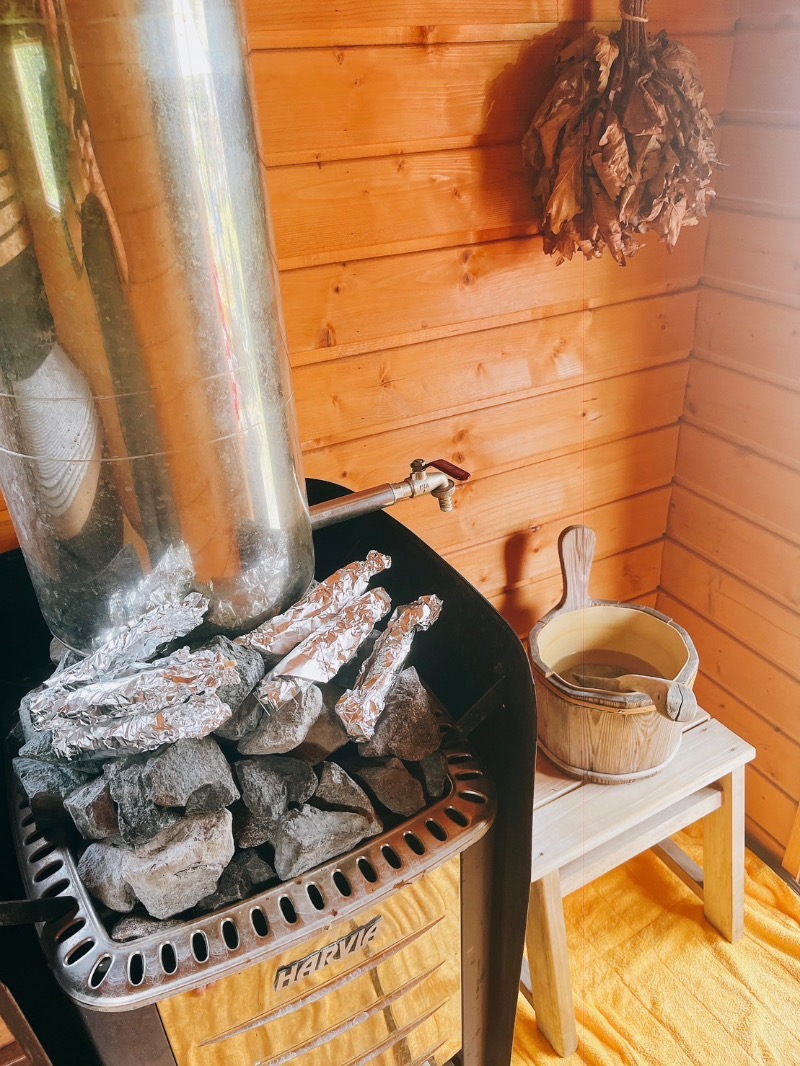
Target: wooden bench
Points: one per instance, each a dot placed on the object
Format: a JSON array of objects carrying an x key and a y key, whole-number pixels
[{"x": 582, "y": 830}]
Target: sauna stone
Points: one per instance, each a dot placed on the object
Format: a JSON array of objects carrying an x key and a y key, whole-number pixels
[
  {"x": 252, "y": 832},
  {"x": 244, "y": 873},
  {"x": 243, "y": 721},
  {"x": 270, "y": 783},
  {"x": 284, "y": 728},
  {"x": 103, "y": 868},
  {"x": 328, "y": 733},
  {"x": 92, "y": 810},
  {"x": 250, "y": 667},
  {"x": 434, "y": 774},
  {"x": 47, "y": 786},
  {"x": 310, "y": 836},
  {"x": 190, "y": 773},
  {"x": 407, "y": 727},
  {"x": 40, "y": 746},
  {"x": 393, "y": 786},
  {"x": 338, "y": 791},
  {"x": 133, "y": 926},
  {"x": 170, "y": 873},
  {"x": 139, "y": 818}
]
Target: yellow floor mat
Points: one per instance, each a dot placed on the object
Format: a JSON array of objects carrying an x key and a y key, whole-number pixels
[{"x": 655, "y": 985}]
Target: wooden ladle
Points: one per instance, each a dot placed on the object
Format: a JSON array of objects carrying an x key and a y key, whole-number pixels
[{"x": 672, "y": 699}]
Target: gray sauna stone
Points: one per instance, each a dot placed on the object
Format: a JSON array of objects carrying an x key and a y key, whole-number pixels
[
  {"x": 170, "y": 873},
  {"x": 103, "y": 868},
  {"x": 407, "y": 726},
  {"x": 328, "y": 733},
  {"x": 284, "y": 728},
  {"x": 434, "y": 774},
  {"x": 139, "y": 818},
  {"x": 393, "y": 786},
  {"x": 243, "y": 721},
  {"x": 269, "y": 783},
  {"x": 243, "y": 874},
  {"x": 47, "y": 786},
  {"x": 93, "y": 810},
  {"x": 252, "y": 832},
  {"x": 190, "y": 773},
  {"x": 310, "y": 836},
  {"x": 338, "y": 791},
  {"x": 133, "y": 926},
  {"x": 250, "y": 666}
]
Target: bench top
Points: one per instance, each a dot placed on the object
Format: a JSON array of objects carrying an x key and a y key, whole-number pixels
[{"x": 572, "y": 816}]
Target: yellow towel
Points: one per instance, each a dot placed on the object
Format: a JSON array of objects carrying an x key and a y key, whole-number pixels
[{"x": 656, "y": 985}]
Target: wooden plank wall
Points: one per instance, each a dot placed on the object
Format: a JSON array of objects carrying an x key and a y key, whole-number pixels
[
  {"x": 423, "y": 318},
  {"x": 731, "y": 571}
]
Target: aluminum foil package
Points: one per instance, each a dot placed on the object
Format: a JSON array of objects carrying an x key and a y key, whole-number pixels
[
  {"x": 360, "y": 708},
  {"x": 277, "y": 692},
  {"x": 318, "y": 607},
  {"x": 142, "y": 729},
  {"x": 322, "y": 654},
  {"x": 169, "y": 681},
  {"x": 170, "y": 580},
  {"x": 125, "y": 648}
]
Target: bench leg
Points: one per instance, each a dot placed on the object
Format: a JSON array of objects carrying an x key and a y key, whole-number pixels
[
  {"x": 723, "y": 859},
  {"x": 549, "y": 963}
]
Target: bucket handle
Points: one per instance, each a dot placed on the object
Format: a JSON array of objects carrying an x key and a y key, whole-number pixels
[{"x": 576, "y": 547}]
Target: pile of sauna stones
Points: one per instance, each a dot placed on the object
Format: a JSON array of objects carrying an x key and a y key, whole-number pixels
[{"x": 204, "y": 823}]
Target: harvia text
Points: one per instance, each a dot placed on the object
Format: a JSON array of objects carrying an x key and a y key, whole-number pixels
[{"x": 335, "y": 952}]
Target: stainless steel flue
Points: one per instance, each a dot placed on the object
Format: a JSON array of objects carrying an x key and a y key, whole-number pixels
[{"x": 147, "y": 429}]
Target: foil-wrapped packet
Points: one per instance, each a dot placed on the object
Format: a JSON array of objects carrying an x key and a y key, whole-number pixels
[
  {"x": 170, "y": 581},
  {"x": 153, "y": 689},
  {"x": 318, "y": 607},
  {"x": 127, "y": 647},
  {"x": 322, "y": 654},
  {"x": 360, "y": 707},
  {"x": 278, "y": 691},
  {"x": 141, "y": 730}
]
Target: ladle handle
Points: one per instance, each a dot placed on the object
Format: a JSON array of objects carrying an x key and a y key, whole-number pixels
[
  {"x": 576, "y": 550},
  {"x": 672, "y": 699}
]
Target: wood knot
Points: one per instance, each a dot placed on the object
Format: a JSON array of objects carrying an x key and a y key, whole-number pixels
[{"x": 326, "y": 337}]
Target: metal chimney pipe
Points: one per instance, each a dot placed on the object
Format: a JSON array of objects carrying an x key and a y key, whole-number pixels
[{"x": 148, "y": 441}]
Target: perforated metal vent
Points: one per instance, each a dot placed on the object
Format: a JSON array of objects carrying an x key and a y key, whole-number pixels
[{"x": 102, "y": 974}]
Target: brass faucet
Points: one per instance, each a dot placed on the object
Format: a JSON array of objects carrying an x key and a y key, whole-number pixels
[{"x": 437, "y": 478}]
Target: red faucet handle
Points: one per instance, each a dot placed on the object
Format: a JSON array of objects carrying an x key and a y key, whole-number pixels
[{"x": 450, "y": 469}]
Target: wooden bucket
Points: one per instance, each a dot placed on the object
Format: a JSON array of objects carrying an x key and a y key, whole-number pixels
[{"x": 605, "y": 736}]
